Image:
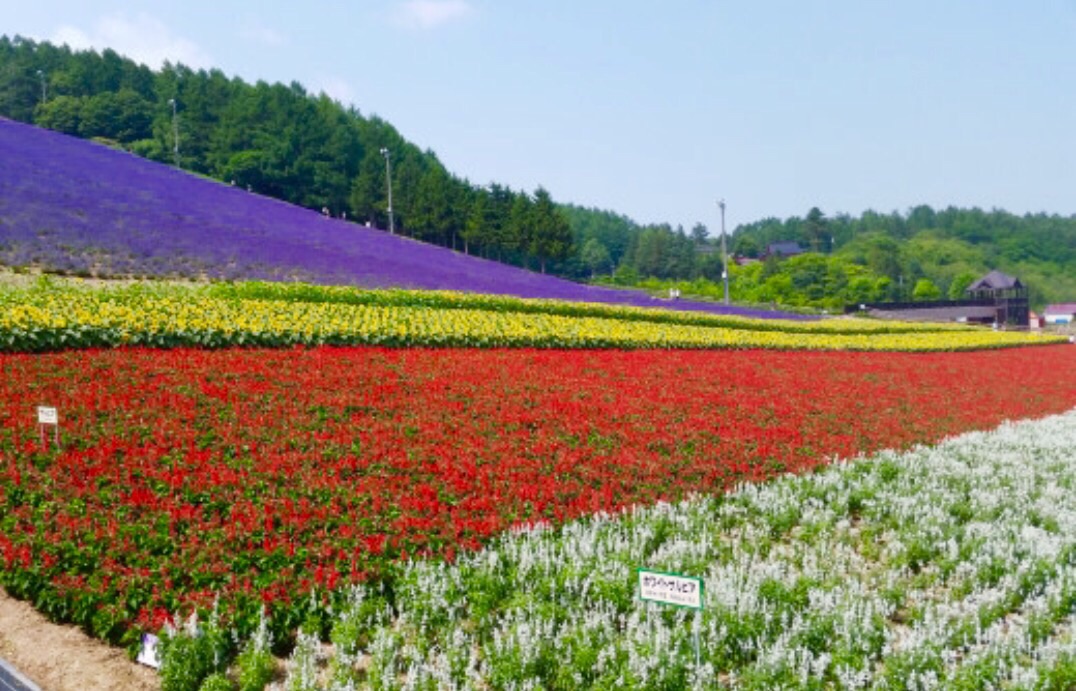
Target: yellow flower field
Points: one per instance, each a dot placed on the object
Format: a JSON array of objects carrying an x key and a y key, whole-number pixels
[{"x": 57, "y": 319}]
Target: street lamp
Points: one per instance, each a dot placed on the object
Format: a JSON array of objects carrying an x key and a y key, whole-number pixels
[
  {"x": 44, "y": 87},
  {"x": 724, "y": 251},
  {"x": 388, "y": 180},
  {"x": 175, "y": 131}
]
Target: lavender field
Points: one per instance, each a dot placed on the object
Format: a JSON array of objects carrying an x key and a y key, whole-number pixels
[{"x": 78, "y": 207}]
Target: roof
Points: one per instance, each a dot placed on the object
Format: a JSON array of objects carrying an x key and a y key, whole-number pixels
[
  {"x": 1061, "y": 308},
  {"x": 995, "y": 280},
  {"x": 785, "y": 248}
]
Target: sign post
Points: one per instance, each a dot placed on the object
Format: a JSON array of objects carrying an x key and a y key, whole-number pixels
[
  {"x": 147, "y": 654},
  {"x": 676, "y": 590},
  {"x": 46, "y": 416}
]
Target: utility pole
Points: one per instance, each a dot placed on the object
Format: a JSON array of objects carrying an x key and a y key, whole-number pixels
[
  {"x": 44, "y": 87},
  {"x": 388, "y": 179},
  {"x": 724, "y": 251},
  {"x": 175, "y": 131}
]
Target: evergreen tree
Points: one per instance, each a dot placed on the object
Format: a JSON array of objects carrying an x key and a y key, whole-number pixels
[{"x": 551, "y": 236}]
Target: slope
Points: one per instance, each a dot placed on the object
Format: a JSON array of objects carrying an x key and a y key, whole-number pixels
[{"x": 76, "y": 207}]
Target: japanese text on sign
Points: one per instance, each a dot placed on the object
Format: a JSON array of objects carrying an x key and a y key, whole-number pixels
[
  {"x": 670, "y": 589},
  {"x": 47, "y": 415}
]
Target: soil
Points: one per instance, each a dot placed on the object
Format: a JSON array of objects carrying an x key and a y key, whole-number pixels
[{"x": 63, "y": 658}]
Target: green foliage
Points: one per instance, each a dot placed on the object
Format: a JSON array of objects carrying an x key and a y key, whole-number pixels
[
  {"x": 255, "y": 664},
  {"x": 193, "y": 653},
  {"x": 595, "y": 256},
  {"x": 217, "y": 682},
  {"x": 949, "y": 247},
  {"x": 959, "y": 284},
  {"x": 807, "y": 280},
  {"x": 926, "y": 290}
]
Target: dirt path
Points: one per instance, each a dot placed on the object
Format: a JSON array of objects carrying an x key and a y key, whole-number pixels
[{"x": 63, "y": 658}]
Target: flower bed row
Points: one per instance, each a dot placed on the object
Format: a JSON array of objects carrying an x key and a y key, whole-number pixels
[
  {"x": 948, "y": 567},
  {"x": 441, "y": 299},
  {"x": 52, "y": 320},
  {"x": 257, "y": 476}
]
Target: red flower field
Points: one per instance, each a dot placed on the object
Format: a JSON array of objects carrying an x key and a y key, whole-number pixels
[{"x": 256, "y": 475}]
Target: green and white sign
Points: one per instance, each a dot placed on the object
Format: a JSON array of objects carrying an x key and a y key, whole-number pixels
[{"x": 670, "y": 589}]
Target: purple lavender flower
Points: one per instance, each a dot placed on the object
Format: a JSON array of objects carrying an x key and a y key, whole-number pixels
[{"x": 76, "y": 206}]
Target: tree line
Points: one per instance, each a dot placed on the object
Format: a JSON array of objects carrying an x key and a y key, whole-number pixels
[{"x": 925, "y": 253}]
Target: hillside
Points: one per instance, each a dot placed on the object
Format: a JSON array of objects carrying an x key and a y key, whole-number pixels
[
  {"x": 81, "y": 208},
  {"x": 284, "y": 142},
  {"x": 948, "y": 247}
]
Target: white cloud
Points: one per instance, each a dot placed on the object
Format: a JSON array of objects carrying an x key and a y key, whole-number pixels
[
  {"x": 145, "y": 39},
  {"x": 259, "y": 33},
  {"x": 429, "y": 14}
]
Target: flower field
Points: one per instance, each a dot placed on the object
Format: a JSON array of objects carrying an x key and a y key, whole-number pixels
[
  {"x": 456, "y": 483},
  {"x": 947, "y": 567},
  {"x": 253, "y": 476},
  {"x": 258, "y": 315},
  {"x": 75, "y": 207},
  {"x": 299, "y": 481}
]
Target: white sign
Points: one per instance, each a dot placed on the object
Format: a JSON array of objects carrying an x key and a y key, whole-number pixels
[
  {"x": 47, "y": 415},
  {"x": 670, "y": 589},
  {"x": 147, "y": 654}
]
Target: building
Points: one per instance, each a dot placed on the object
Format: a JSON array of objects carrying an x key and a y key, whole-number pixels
[
  {"x": 1008, "y": 295},
  {"x": 1064, "y": 313},
  {"x": 782, "y": 249}
]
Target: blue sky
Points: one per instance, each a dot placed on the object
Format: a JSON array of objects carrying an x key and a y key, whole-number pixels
[{"x": 657, "y": 110}]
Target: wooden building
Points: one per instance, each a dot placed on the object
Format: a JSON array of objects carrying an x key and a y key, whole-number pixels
[{"x": 1008, "y": 295}]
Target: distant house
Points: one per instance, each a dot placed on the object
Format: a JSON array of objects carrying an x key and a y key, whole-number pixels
[
  {"x": 989, "y": 285},
  {"x": 1064, "y": 313},
  {"x": 1034, "y": 321},
  {"x": 1007, "y": 293},
  {"x": 782, "y": 249}
]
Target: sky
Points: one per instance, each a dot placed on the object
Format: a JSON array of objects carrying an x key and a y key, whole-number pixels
[{"x": 658, "y": 110}]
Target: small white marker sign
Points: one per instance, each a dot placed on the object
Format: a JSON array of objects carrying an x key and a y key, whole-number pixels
[
  {"x": 47, "y": 415},
  {"x": 147, "y": 654},
  {"x": 670, "y": 589}
]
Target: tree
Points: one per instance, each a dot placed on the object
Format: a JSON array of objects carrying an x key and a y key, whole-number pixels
[
  {"x": 746, "y": 246},
  {"x": 925, "y": 290},
  {"x": 61, "y": 113},
  {"x": 699, "y": 234},
  {"x": 120, "y": 115},
  {"x": 520, "y": 225},
  {"x": 368, "y": 198},
  {"x": 960, "y": 284},
  {"x": 652, "y": 252},
  {"x": 477, "y": 229},
  {"x": 431, "y": 214},
  {"x": 595, "y": 256},
  {"x": 551, "y": 236}
]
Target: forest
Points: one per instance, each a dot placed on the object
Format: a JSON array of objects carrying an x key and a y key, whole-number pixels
[
  {"x": 929, "y": 254},
  {"x": 282, "y": 141}
]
